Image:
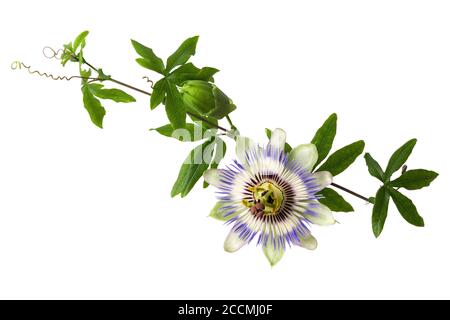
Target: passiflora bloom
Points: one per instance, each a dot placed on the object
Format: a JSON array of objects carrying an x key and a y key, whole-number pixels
[{"x": 270, "y": 196}]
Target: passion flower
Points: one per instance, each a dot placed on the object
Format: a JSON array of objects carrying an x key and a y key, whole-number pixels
[{"x": 271, "y": 196}]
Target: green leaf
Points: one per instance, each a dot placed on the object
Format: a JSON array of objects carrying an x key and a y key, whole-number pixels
[
  {"x": 219, "y": 153},
  {"x": 149, "y": 59},
  {"x": 190, "y": 72},
  {"x": 67, "y": 54},
  {"x": 343, "y": 158},
  {"x": 414, "y": 179},
  {"x": 93, "y": 106},
  {"x": 335, "y": 201},
  {"x": 406, "y": 208},
  {"x": 206, "y": 74},
  {"x": 175, "y": 108},
  {"x": 158, "y": 93},
  {"x": 287, "y": 146},
  {"x": 324, "y": 137},
  {"x": 80, "y": 40},
  {"x": 190, "y": 132},
  {"x": 374, "y": 168},
  {"x": 193, "y": 168},
  {"x": 86, "y": 74},
  {"x": 380, "y": 210},
  {"x": 399, "y": 157},
  {"x": 182, "y": 54},
  {"x": 116, "y": 95}
]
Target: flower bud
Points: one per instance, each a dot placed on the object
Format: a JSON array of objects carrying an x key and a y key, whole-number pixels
[{"x": 205, "y": 98}]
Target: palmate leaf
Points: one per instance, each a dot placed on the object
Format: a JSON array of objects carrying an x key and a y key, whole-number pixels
[
  {"x": 324, "y": 137},
  {"x": 192, "y": 169},
  {"x": 411, "y": 180}
]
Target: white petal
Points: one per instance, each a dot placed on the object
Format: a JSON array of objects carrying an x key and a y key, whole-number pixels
[
  {"x": 272, "y": 254},
  {"x": 233, "y": 243},
  {"x": 309, "y": 242},
  {"x": 323, "y": 216},
  {"x": 212, "y": 176},
  {"x": 305, "y": 154},
  {"x": 278, "y": 139},
  {"x": 323, "y": 179},
  {"x": 243, "y": 144}
]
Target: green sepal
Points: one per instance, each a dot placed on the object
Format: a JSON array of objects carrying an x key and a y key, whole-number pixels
[{"x": 217, "y": 213}]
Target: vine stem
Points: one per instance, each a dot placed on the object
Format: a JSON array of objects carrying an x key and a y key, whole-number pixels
[
  {"x": 353, "y": 193},
  {"x": 214, "y": 125},
  {"x": 198, "y": 117},
  {"x": 233, "y": 127}
]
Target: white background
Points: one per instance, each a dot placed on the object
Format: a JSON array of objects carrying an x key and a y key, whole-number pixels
[{"x": 87, "y": 213}]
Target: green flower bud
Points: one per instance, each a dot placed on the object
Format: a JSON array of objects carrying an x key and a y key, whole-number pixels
[{"x": 205, "y": 98}]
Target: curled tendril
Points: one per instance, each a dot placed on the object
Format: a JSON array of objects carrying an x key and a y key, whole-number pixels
[
  {"x": 51, "y": 53},
  {"x": 148, "y": 80},
  {"x": 18, "y": 65}
]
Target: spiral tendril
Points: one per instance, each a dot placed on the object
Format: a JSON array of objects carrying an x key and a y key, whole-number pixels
[
  {"x": 51, "y": 53},
  {"x": 18, "y": 65},
  {"x": 148, "y": 80}
]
